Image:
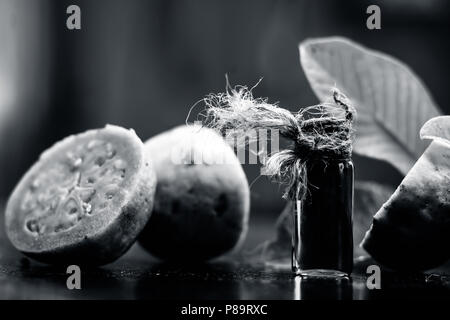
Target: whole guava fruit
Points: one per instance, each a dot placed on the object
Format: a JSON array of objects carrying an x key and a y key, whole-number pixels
[{"x": 202, "y": 197}]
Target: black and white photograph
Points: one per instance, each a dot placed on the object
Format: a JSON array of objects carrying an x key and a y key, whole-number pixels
[{"x": 225, "y": 155}]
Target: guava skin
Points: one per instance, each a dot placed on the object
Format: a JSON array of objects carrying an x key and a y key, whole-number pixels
[
  {"x": 201, "y": 209},
  {"x": 104, "y": 235},
  {"x": 397, "y": 250},
  {"x": 411, "y": 232}
]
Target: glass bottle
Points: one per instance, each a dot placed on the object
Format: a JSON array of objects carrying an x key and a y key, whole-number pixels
[{"x": 323, "y": 238}]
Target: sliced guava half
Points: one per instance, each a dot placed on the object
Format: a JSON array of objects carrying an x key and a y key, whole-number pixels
[
  {"x": 85, "y": 200},
  {"x": 412, "y": 229}
]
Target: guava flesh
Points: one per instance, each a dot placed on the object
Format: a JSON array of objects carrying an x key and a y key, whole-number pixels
[{"x": 74, "y": 204}]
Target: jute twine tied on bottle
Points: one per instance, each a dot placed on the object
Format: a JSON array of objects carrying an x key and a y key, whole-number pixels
[{"x": 322, "y": 132}]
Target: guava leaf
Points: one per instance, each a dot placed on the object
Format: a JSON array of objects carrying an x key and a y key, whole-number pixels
[
  {"x": 437, "y": 128},
  {"x": 391, "y": 101}
]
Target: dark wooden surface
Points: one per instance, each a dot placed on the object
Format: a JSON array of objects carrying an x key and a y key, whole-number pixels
[{"x": 138, "y": 276}]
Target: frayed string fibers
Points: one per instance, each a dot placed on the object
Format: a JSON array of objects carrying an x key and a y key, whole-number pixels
[{"x": 322, "y": 132}]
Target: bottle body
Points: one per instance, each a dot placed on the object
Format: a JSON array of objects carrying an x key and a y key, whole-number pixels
[{"x": 323, "y": 237}]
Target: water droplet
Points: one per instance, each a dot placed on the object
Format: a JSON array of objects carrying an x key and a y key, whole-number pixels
[
  {"x": 74, "y": 161},
  {"x": 87, "y": 208},
  {"x": 110, "y": 152},
  {"x": 119, "y": 164},
  {"x": 34, "y": 185},
  {"x": 77, "y": 163},
  {"x": 92, "y": 144}
]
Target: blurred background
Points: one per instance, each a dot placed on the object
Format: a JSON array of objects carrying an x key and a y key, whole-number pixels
[{"x": 143, "y": 63}]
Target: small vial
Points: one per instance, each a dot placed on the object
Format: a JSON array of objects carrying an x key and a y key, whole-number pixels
[{"x": 323, "y": 237}]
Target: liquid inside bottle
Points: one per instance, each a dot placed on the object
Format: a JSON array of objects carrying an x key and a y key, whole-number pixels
[{"x": 323, "y": 238}]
